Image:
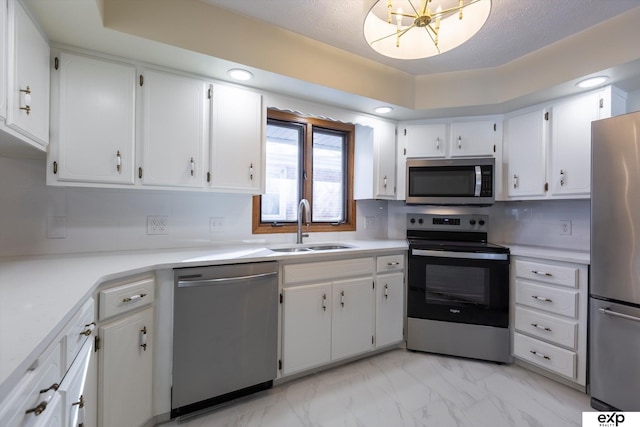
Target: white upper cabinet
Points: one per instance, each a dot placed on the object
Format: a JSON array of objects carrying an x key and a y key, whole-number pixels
[
  {"x": 27, "y": 76},
  {"x": 385, "y": 145},
  {"x": 526, "y": 137},
  {"x": 549, "y": 148},
  {"x": 236, "y": 149},
  {"x": 174, "y": 124},
  {"x": 425, "y": 140},
  {"x": 95, "y": 117},
  {"x": 473, "y": 139}
]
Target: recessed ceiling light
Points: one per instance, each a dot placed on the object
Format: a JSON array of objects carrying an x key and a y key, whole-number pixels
[
  {"x": 383, "y": 110},
  {"x": 240, "y": 74},
  {"x": 592, "y": 81}
]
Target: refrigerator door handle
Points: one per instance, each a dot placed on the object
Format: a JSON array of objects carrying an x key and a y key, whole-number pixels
[{"x": 615, "y": 313}]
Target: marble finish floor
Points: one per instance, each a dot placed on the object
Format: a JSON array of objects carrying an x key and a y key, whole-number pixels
[{"x": 403, "y": 388}]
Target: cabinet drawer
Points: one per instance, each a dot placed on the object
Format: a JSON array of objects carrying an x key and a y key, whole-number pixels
[
  {"x": 390, "y": 263},
  {"x": 328, "y": 270},
  {"x": 547, "y": 327},
  {"x": 545, "y": 355},
  {"x": 79, "y": 329},
  {"x": 120, "y": 299},
  {"x": 556, "y": 274},
  {"x": 549, "y": 298},
  {"x": 35, "y": 391}
]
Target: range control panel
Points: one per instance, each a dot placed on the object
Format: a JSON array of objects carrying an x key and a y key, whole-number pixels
[{"x": 466, "y": 222}]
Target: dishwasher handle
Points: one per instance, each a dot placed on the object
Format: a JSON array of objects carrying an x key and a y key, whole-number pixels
[{"x": 222, "y": 280}]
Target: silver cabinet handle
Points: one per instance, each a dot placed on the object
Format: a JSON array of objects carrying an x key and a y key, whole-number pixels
[
  {"x": 192, "y": 166},
  {"x": 542, "y": 273},
  {"x": 384, "y": 180},
  {"x": 27, "y": 100},
  {"x": 515, "y": 181},
  {"x": 544, "y": 328},
  {"x": 541, "y": 298},
  {"x": 438, "y": 143},
  {"x": 251, "y": 171},
  {"x": 118, "y": 161},
  {"x": 324, "y": 302},
  {"x": 391, "y": 264},
  {"x": 459, "y": 143},
  {"x": 143, "y": 338},
  {"x": 616, "y": 314},
  {"x": 562, "y": 176},
  {"x": 342, "y": 298},
  {"x": 90, "y": 327},
  {"x": 133, "y": 298},
  {"x": 540, "y": 355},
  {"x": 386, "y": 291}
]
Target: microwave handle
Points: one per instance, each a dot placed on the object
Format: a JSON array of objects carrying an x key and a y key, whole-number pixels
[{"x": 478, "y": 181}]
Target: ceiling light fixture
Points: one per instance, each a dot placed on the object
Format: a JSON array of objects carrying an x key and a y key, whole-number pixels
[
  {"x": 413, "y": 29},
  {"x": 383, "y": 110},
  {"x": 592, "y": 81},
  {"x": 240, "y": 74}
]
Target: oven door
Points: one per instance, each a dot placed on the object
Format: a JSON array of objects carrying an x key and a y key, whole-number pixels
[{"x": 463, "y": 287}]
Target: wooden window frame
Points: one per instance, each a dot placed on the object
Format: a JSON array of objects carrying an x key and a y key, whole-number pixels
[{"x": 309, "y": 123}]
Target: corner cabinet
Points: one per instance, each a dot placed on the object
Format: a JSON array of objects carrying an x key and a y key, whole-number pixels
[
  {"x": 236, "y": 146},
  {"x": 93, "y": 121},
  {"x": 548, "y": 148},
  {"x": 174, "y": 121},
  {"x": 375, "y": 161}
]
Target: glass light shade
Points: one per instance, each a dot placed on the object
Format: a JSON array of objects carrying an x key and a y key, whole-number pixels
[
  {"x": 383, "y": 110},
  {"x": 240, "y": 74},
  {"x": 418, "y": 42},
  {"x": 592, "y": 81}
]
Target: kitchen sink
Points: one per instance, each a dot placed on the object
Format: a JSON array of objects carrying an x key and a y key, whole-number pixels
[{"x": 310, "y": 248}]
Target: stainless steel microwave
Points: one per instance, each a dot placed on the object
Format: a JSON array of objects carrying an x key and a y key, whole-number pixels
[{"x": 450, "y": 181}]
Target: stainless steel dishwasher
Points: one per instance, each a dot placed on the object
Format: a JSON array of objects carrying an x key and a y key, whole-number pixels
[{"x": 224, "y": 333}]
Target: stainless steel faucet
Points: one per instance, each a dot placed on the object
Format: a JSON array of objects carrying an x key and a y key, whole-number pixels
[{"x": 304, "y": 204}]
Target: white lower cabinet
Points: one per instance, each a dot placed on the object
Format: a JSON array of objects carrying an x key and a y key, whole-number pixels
[
  {"x": 550, "y": 316},
  {"x": 125, "y": 354},
  {"x": 333, "y": 310}
]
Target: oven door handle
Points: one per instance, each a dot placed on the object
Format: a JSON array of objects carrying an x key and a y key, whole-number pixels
[
  {"x": 462, "y": 255},
  {"x": 478, "y": 181}
]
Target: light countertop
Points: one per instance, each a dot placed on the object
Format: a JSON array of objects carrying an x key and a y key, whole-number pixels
[
  {"x": 39, "y": 294},
  {"x": 565, "y": 255}
]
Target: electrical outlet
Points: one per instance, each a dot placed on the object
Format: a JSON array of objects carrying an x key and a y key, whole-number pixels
[
  {"x": 216, "y": 224},
  {"x": 565, "y": 228},
  {"x": 157, "y": 224}
]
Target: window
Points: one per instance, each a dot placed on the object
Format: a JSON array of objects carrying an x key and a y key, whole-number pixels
[{"x": 306, "y": 158}]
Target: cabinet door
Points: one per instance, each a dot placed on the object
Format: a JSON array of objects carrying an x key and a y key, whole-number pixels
[
  {"x": 125, "y": 371},
  {"x": 526, "y": 140},
  {"x": 389, "y": 309},
  {"x": 352, "y": 320},
  {"x": 237, "y": 148},
  {"x": 28, "y": 76},
  {"x": 96, "y": 109},
  {"x": 426, "y": 140},
  {"x": 175, "y": 118},
  {"x": 306, "y": 324},
  {"x": 385, "y": 142},
  {"x": 72, "y": 387},
  {"x": 473, "y": 138},
  {"x": 570, "y": 165}
]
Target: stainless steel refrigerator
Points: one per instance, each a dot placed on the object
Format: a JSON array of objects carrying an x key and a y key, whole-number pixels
[{"x": 614, "y": 303}]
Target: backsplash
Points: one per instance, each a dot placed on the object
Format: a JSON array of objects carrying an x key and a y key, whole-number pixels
[{"x": 37, "y": 219}]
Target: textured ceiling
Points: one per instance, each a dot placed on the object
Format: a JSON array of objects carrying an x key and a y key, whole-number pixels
[{"x": 514, "y": 28}]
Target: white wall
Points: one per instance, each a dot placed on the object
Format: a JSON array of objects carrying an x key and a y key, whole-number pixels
[
  {"x": 527, "y": 223},
  {"x": 633, "y": 101},
  {"x": 114, "y": 219}
]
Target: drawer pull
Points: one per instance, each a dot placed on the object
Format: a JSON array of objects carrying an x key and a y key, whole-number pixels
[
  {"x": 541, "y": 298},
  {"x": 38, "y": 409},
  {"x": 79, "y": 403},
  {"x": 133, "y": 298},
  {"x": 90, "y": 327},
  {"x": 53, "y": 387},
  {"x": 540, "y": 355},
  {"x": 544, "y": 328},
  {"x": 542, "y": 273},
  {"x": 391, "y": 264}
]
